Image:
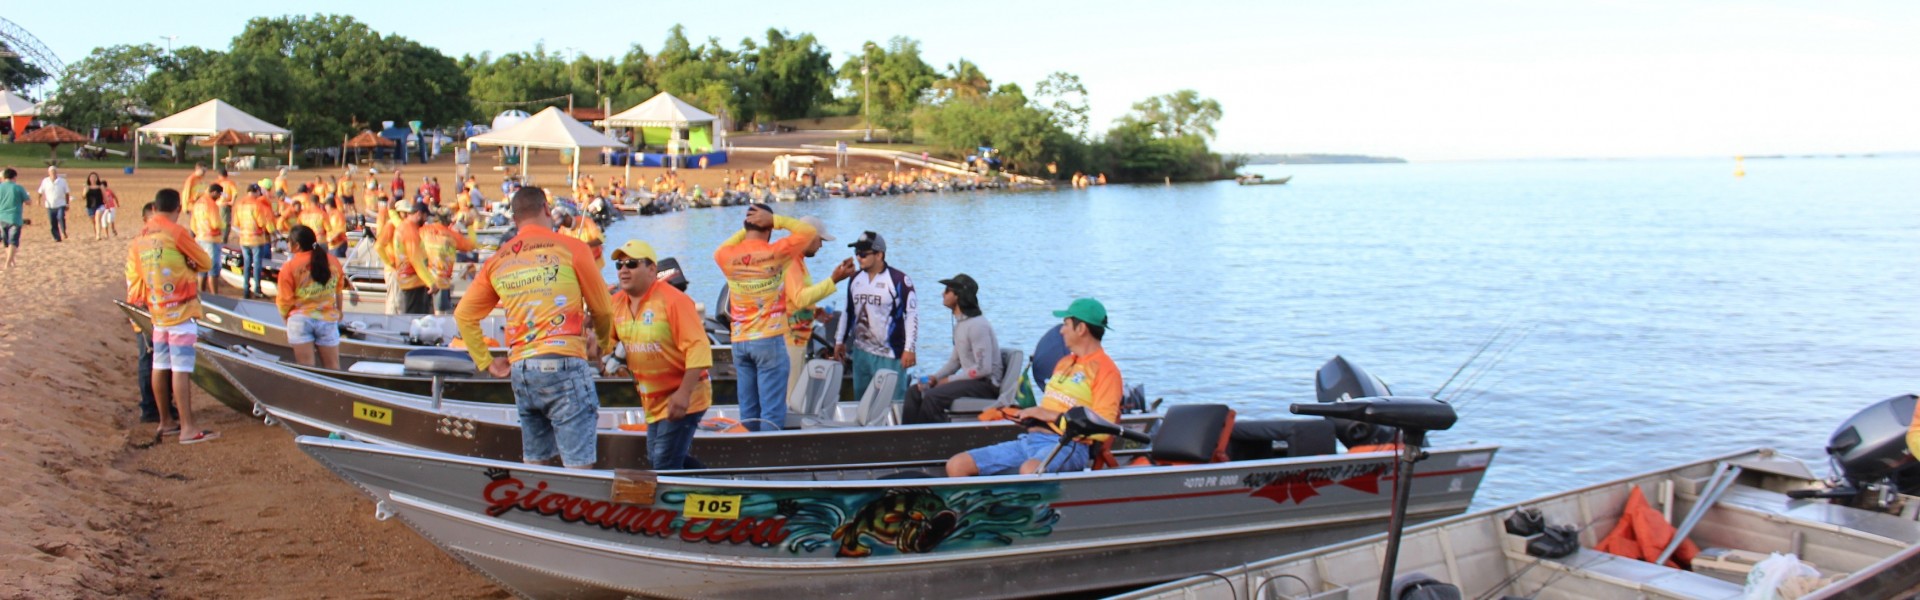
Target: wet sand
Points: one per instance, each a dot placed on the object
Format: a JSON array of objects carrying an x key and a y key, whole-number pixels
[{"x": 95, "y": 509}]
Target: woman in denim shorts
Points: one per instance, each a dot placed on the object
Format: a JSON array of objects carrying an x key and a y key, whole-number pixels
[{"x": 312, "y": 283}]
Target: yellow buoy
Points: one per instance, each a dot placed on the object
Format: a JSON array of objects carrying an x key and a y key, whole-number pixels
[{"x": 1739, "y": 166}]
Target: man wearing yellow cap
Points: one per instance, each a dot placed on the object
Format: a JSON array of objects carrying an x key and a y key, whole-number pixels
[{"x": 666, "y": 349}]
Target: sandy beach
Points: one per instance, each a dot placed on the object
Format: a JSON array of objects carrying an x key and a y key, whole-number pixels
[{"x": 96, "y": 509}]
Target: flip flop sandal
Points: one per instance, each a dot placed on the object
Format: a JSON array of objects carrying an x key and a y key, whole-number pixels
[{"x": 203, "y": 436}]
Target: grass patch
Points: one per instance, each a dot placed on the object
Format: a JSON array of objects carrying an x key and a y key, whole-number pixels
[{"x": 24, "y": 157}]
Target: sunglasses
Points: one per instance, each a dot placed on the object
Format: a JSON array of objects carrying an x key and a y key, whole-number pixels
[
  {"x": 864, "y": 253},
  {"x": 631, "y": 263}
]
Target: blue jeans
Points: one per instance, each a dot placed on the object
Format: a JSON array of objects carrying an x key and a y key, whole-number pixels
[
  {"x": 9, "y": 236},
  {"x": 669, "y": 441},
  {"x": 559, "y": 411},
  {"x": 1005, "y": 458},
  {"x": 253, "y": 260},
  {"x": 57, "y": 219},
  {"x": 762, "y": 368},
  {"x": 865, "y": 364}
]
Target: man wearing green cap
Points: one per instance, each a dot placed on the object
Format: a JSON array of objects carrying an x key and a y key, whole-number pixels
[{"x": 1086, "y": 377}]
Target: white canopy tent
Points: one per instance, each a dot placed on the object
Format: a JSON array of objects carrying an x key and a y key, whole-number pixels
[
  {"x": 549, "y": 129},
  {"x": 12, "y": 105},
  {"x": 662, "y": 110},
  {"x": 209, "y": 118}
]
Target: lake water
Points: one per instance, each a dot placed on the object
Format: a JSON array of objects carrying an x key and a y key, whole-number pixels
[{"x": 1672, "y": 310}]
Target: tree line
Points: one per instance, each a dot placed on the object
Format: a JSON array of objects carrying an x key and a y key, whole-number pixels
[{"x": 324, "y": 76}]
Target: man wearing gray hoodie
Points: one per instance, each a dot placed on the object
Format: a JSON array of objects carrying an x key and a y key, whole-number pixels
[{"x": 974, "y": 368}]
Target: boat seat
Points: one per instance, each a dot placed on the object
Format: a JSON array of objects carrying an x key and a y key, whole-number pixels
[
  {"x": 1192, "y": 434},
  {"x": 374, "y": 367},
  {"x": 876, "y": 407},
  {"x": 440, "y": 361},
  {"x": 819, "y": 389},
  {"x": 1279, "y": 438},
  {"x": 1644, "y": 576},
  {"x": 1011, "y": 365}
]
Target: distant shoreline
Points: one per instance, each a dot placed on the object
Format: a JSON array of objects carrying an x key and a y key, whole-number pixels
[{"x": 1318, "y": 159}]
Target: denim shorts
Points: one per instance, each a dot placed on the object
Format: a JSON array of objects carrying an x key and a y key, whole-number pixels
[
  {"x": 559, "y": 410},
  {"x": 10, "y": 236},
  {"x": 1005, "y": 458},
  {"x": 302, "y": 329},
  {"x": 213, "y": 252},
  {"x": 173, "y": 347}
]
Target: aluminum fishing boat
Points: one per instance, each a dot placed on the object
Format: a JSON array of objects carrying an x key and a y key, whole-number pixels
[{"x": 891, "y": 530}]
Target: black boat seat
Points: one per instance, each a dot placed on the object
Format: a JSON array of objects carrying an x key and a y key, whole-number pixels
[
  {"x": 1191, "y": 433},
  {"x": 1280, "y": 438},
  {"x": 440, "y": 361}
]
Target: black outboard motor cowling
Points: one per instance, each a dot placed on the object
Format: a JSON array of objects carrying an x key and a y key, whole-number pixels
[
  {"x": 1871, "y": 446},
  {"x": 1339, "y": 381}
]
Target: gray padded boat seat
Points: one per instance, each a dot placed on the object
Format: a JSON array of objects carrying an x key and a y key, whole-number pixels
[
  {"x": 440, "y": 361},
  {"x": 1279, "y": 438},
  {"x": 965, "y": 409},
  {"x": 1190, "y": 433},
  {"x": 876, "y": 407}
]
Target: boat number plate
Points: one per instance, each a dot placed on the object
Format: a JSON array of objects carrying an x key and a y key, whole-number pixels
[
  {"x": 253, "y": 328},
  {"x": 369, "y": 412},
  {"x": 713, "y": 507}
]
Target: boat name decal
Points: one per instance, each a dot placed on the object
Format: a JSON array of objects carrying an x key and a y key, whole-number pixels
[
  {"x": 1298, "y": 485},
  {"x": 507, "y": 493}
]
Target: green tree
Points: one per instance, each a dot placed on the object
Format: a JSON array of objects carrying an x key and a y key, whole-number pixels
[
  {"x": 900, "y": 77},
  {"x": 1064, "y": 99},
  {"x": 16, "y": 73},
  {"x": 105, "y": 88},
  {"x": 494, "y": 84},
  {"x": 340, "y": 70},
  {"x": 964, "y": 80},
  {"x": 1178, "y": 114},
  {"x": 789, "y": 77}
]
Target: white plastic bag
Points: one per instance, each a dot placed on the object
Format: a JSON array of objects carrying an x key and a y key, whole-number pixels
[{"x": 1767, "y": 577}]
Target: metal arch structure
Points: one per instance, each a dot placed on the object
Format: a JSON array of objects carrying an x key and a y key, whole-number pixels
[{"x": 21, "y": 42}]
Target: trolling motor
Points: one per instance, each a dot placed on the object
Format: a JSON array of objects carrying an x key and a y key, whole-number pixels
[
  {"x": 1413, "y": 417},
  {"x": 1078, "y": 422}
]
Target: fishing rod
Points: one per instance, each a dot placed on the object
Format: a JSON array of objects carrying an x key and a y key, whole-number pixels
[{"x": 1497, "y": 332}]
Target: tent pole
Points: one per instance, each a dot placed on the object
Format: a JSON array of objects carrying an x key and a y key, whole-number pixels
[
  {"x": 289, "y": 149},
  {"x": 574, "y": 179},
  {"x": 628, "y": 177},
  {"x": 136, "y": 149}
]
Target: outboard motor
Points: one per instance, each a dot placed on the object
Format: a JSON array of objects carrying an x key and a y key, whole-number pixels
[
  {"x": 1340, "y": 381},
  {"x": 720, "y": 323},
  {"x": 679, "y": 277},
  {"x": 1870, "y": 455}
]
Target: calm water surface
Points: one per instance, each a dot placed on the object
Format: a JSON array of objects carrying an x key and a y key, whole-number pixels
[{"x": 1672, "y": 310}]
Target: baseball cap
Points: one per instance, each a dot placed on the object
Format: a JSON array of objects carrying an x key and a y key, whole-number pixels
[
  {"x": 1086, "y": 310},
  {"x": 635, "y": 249},
  {"x": 962, "y": 284},
  {"x": 421, "y": 206},
  {"x": 869, "y": 241},
  {"x": 818, "y": 227}
]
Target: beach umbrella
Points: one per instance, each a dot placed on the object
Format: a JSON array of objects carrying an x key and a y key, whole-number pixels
[
  {"x": 367, "y": 140},
  {"x": 229, "y": 138},
  {"x": 53, "y": 136}
]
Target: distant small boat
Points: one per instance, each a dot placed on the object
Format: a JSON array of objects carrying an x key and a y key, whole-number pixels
[{"x": 1261, "y": 180}]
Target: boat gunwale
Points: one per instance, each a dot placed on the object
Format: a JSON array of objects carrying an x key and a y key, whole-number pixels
[{"x": 670, "y": 478}]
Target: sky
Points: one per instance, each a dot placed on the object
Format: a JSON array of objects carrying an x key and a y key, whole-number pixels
[{"x": 1474, "y": 79}]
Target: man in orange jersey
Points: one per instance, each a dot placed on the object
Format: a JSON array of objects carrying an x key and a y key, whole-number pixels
[
  {"x": 1087, "y": 377},
  {"x": 254, "y": 224},
  {"x": 550, "y": 290},
  {"x": 758, "y": 302},
  {"x": 209, "y": 230},
  {"x": 666, "y": 350},
  {"x": 162, "y": 261},
  {"x": 443, "y": 246},
  {"x": 383, "y": 242},
  {"x": 417, "y": 279}
]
